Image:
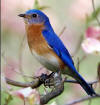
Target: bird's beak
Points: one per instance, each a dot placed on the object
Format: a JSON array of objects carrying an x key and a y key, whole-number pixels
[{"x": 21, "y": 15}]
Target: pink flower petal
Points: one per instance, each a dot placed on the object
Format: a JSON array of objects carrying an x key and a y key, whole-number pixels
[
  {"x": 24, "y": 92},
  {"x": 91, "y": 45},
  {"x": 30, "y": 94},
  {"x": 93, "y": 32}
]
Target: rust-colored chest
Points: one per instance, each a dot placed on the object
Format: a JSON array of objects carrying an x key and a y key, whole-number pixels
[
  {"x": 37, "y": 43},
  {"x": 35, "y": 39}
]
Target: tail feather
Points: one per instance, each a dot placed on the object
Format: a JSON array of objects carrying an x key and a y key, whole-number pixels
[
  {"x": 73, "y": 72},
  {"x": 89, "y": 90}
]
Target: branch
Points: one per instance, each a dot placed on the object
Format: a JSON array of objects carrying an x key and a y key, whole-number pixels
[
  {"x": 32, "y": 84},
  {"x": 36, "y": 83},
  {"x": 93, "y": 5},
  {"x": 74, "y": 81},
  {"x": 58, "y": 88},
  {"x": 57, "y": 91},
  {"x": 62, "y": 31},
  {"x": 55, "y": 80},
  {"x": 82, "y": 99}
]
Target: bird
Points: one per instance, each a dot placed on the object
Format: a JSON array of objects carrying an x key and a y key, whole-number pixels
[{"x": 48, "y": 48}]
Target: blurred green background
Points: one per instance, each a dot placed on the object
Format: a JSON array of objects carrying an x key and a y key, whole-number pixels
[{"x": 71, "y": 14}]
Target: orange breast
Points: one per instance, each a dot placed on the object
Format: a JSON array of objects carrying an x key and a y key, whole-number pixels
[{"x": 37, "y": 42}]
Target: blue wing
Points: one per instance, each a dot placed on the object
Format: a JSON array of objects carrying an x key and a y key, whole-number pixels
[
  {"x": 59, "y": 48},
  {"x": 56, "y": 44}
]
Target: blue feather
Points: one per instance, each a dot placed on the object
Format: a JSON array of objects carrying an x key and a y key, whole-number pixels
[{"x": 58, "y": 47}]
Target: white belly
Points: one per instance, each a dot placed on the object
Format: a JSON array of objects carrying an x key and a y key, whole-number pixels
[{"x": 49, "y": 61}]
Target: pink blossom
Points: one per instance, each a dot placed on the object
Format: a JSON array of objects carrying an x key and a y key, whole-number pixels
[
  {"x": 92, "y": 42},
  {"x": 31, "y": 95},
  {"x": 91, "y": 45},
  {"x": 93, "y": 32}
]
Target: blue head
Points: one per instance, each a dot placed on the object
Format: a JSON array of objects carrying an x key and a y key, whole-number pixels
[{"x": 34, "y": 16}]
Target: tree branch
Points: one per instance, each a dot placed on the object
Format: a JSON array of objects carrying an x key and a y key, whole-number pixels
[
  {"x": 74, "y": 81},
  {"x": 55, "y": 80},
  {"x": 58, "y": 88},
  {"x": 82, "y": 99},
  {"x": 62, "y": 31},
  {"x": 36, "y": 83},
  {"x": 32, "y": 84},
  {"x": 93, "y": 5}
]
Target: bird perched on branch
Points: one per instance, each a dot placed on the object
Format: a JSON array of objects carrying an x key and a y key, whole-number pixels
[{"x": 48, "y": 49}]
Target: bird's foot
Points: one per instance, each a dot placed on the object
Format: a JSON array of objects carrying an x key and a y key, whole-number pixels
[{"x": 51, "y": 80}]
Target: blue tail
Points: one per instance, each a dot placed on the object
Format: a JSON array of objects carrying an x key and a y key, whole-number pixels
[
  {"x": 58, "y": 47},
  {"x": 89, "y": 90},
  {"x": 73, "y": 72}
]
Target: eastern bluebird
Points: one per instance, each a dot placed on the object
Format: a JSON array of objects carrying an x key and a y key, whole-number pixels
[{"x": 48, "y": 49}]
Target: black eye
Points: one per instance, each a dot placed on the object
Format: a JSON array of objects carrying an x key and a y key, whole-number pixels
[{"x": 34, "y": 15}]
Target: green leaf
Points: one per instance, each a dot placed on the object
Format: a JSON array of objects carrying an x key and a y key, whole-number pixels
[{"x": 37, "y": 6}]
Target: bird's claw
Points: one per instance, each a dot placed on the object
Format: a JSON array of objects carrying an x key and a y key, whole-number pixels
[{"x": 50, "y": 80}]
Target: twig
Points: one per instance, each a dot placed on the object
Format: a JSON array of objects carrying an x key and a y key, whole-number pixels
[
  {"x": 58, "y": 89},
  {"x": 78, "y": 46},
  {"x": 79, "y": 61},
  {"x": 50, "y": 80},
  {"x": 53, "y": 77},
  {"x": 78, "y": 65},
  {"x": 98, "y": 72},
  {"x": 74, "y": 81},
  {"x": 56, "y": 79},
  {"x": 95, "y": 12},
  {"x": 32, "y": 84},
  {"x": 35, "y": 83},
  {"x": 62, "y": 31},
  {"x": 83, "y": 99}
]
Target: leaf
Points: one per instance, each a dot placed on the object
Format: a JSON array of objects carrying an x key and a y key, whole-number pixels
[
  {"x": 8, "y": 99},
  {"x": 37, "y": 6},
  {"x": 98, "y": 71},
  {"x": 43, "y": 7}
]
